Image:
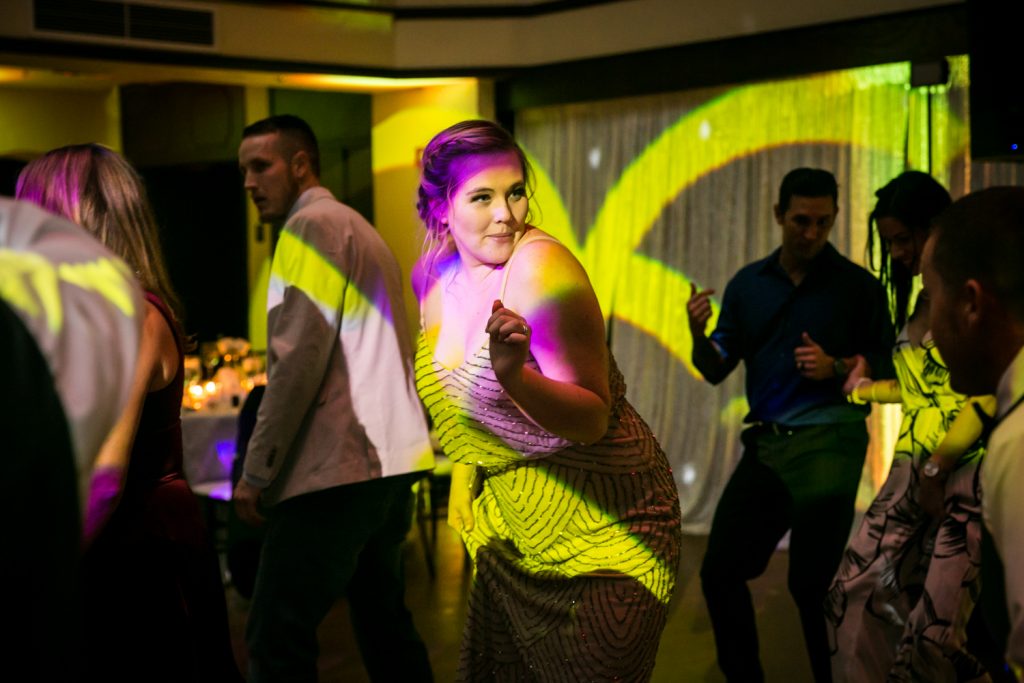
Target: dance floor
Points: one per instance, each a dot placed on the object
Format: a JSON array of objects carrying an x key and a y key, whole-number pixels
[{"x": 687, "y": 651}]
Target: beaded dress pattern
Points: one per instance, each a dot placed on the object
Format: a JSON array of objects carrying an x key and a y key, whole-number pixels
[{"x": 575, "y": 547}]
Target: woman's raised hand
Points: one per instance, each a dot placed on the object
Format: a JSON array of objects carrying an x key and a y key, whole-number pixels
[
  {"x": 857, "y": 375},
  {"x": 510, "y": 340}
]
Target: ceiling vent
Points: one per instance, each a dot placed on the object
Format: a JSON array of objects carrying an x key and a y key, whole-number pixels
[{"x": 129, "y": 21}]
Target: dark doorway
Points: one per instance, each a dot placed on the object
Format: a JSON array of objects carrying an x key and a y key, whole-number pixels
[
  {"x": 183, "y": 138},
  {"x": 200, "y": 209},
  {"x": 9, "y": 170}
]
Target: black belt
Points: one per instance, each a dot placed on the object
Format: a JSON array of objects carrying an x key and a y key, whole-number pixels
[{"x": 776, "y": 428}]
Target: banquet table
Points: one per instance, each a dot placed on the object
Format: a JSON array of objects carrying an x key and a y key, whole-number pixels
[{"x": 208, "y": 443}]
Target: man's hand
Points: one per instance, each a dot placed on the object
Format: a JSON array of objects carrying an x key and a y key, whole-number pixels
[
  {"x": 698, "y": 309},
  {"x": 811, "y": 360},
  {"x": 247, "y": 503}
]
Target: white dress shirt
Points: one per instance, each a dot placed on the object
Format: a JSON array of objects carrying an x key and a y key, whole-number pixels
[{"x": 1002, "y": 482}]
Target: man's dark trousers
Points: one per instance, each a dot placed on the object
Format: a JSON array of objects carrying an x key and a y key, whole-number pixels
[
  {"x": 804, "y": 479},
  {"x": 325, "y": 545}
]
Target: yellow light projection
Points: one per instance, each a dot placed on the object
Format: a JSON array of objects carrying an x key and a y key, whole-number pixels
[
  {"x": 361, "y": 83},
  {"x": 858, "y": 111},
  {"x": 400, "y": 138},
  {"x": 12, "y": 74},
  {"x": 354, "y": 19},
  {"x": 548, "y": 524},
  {"x": 803, "y": 111},
  {"x": 104, "y": 276}
]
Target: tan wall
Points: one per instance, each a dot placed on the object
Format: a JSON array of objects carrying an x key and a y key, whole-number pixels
[
  {"x": 305, "y": 34},
  {"x": 268, "y": 31},
  {"x": 616, "y": 28},
  {"x": 403, "y": 124},
  {"x": 347, "y": 37},
  {"x": 35, "y": 120}
]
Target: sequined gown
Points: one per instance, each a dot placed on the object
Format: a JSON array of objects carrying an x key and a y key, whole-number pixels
[
  {"x": 575, "y": 547},
  {"x": 898, "y": 607}
]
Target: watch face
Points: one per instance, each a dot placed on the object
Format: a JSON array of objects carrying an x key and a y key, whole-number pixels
[{"x": 930, "y": 469}]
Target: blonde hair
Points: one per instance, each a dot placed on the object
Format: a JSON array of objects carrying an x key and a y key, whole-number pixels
[{"x": 98, "y": 189}]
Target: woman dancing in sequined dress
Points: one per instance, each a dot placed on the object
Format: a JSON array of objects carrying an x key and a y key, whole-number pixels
[{"x": 561, "y": 493}]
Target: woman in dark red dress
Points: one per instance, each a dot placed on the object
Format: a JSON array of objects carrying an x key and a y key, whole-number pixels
[{"x": 154, "y": 605}]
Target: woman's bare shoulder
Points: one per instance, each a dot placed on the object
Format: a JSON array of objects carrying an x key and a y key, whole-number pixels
[
  {"x": 159, "y": 348},
  {"x": 544, "y": 267}
]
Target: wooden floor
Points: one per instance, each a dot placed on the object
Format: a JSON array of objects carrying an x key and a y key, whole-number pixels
[{"x": 687, "y": 651}]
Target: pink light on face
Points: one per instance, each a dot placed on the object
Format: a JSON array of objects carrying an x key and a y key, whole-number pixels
[
  {"x": 465, "y": 167},
  {"x": 450, "y": 158},
  {"x": 487, "y": 211}
]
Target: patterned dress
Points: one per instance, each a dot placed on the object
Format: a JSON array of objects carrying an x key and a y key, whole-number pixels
[
  {"x": 575, "y": 547},
  {"x": 899, "y": 605}
]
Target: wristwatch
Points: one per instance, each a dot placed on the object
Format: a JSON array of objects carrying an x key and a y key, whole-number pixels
[
  {"x": 840, "y": 368},
  {"x": 930, "y": 469}
]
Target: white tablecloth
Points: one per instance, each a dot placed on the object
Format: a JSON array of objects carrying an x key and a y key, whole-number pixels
[{"x": 208, "y": 441}]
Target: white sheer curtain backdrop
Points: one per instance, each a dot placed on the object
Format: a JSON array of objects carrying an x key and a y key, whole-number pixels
[{"x": 653, "y": 193}]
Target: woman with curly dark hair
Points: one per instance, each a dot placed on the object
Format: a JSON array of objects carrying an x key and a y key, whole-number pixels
[{"x": 898, "y": 607}]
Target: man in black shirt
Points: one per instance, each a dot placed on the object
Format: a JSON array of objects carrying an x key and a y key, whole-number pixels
[{"x": 798, "y": 319}]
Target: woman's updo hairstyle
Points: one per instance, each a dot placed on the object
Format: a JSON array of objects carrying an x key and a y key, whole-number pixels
[{"x": 443, "y": 170}]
